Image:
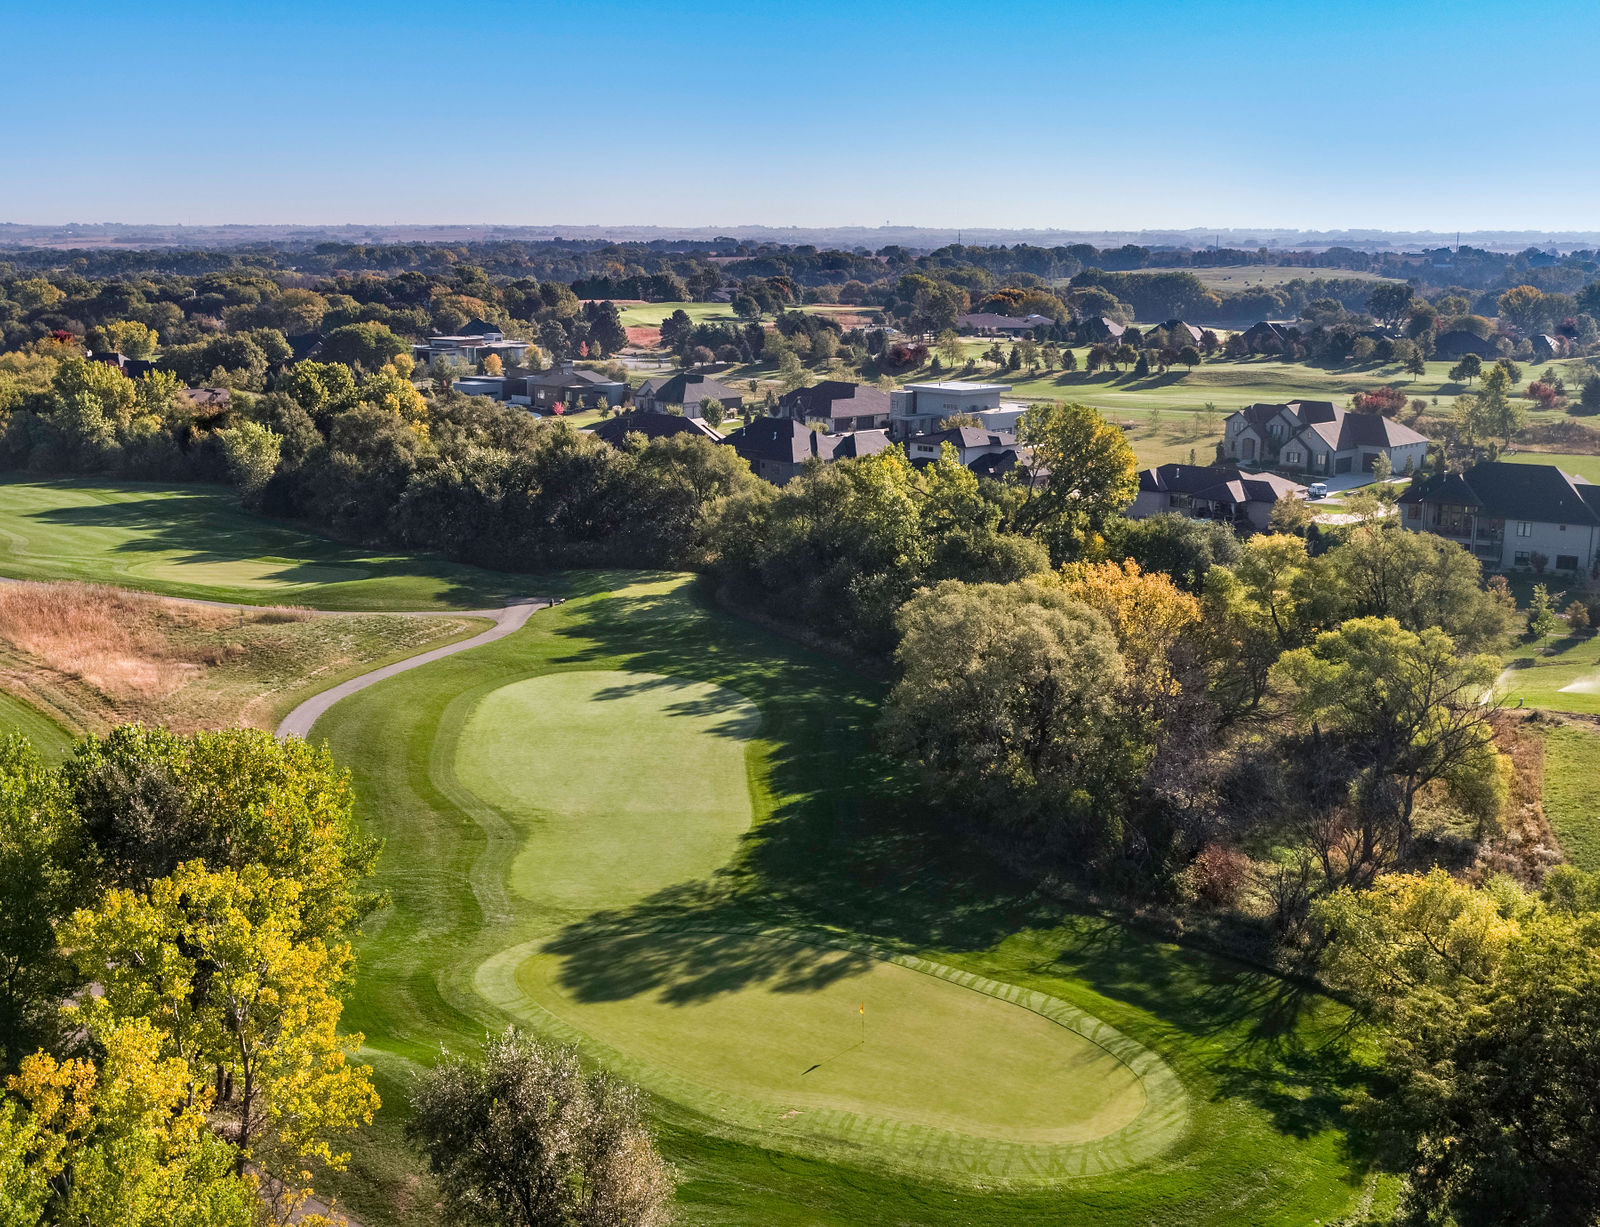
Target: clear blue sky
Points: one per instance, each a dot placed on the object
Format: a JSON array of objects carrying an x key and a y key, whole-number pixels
[{"x": 1476, "y": 114}]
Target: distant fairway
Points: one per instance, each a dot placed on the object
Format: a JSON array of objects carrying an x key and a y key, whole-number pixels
[
  {"x": 628, "y": 784},
  {"x": 192, "y": 540}
]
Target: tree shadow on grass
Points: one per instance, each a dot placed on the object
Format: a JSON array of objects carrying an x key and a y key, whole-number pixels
[
  {"x": 847, "y": 842},
  {"x": 1272, "y": 1041},
  {"x": 841, "y": 842}
]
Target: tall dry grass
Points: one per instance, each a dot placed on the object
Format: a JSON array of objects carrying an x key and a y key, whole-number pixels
[{"x": 127, "y": 645}]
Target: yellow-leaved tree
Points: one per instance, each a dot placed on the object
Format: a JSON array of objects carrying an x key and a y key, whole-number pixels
[
  {"x": 122, "y": 1144},
  {"x": 241, "y": 993}
]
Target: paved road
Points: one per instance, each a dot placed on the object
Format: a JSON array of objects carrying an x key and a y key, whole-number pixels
[{"x": 506, "y": 621}]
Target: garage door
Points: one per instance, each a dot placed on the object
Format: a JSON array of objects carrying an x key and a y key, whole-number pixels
[{"x": 1344, "y": 464}]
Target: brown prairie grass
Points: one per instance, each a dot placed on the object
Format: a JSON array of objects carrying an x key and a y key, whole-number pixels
[
  {"x": 94, "y": 656},
  {"x": 126, "y": 645}
]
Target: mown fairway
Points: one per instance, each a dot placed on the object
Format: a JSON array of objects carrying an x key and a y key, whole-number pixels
[
  {"x": 192, "y": 540},
  {"x": 652, "y": 830}
]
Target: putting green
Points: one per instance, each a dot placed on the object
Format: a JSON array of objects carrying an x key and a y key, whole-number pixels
[
  {"x": 624, "y": 786},
  {"x": 625, "y": 783}
]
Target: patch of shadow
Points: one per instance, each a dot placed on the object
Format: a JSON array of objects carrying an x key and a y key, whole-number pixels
[{"x": 608, "y": 958}]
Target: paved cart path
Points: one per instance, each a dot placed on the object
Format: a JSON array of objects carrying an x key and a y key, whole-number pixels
[{"x": 512, "y": 618}]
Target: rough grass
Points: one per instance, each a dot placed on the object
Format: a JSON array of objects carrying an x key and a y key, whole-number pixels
[
  {"x": 842, "y": 848},
  {"x": 90, "y": 656},
  {"x": 1571, "y": 800},
  {"x": 192, "y": 540}
]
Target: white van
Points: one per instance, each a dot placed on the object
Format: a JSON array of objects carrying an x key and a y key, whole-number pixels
[{"x": 1317, "y": 489}]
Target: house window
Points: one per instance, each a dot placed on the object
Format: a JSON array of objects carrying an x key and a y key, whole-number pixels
[
  {"x": 1522, "y": 558},
  {"x": 1566, "y": 562},
  {"x": 1414, "y": 512},
  {"x": 1322, "y": 460},
  {"x": 1524, "y": 528},
  {"x": 1291, "y": 457}
]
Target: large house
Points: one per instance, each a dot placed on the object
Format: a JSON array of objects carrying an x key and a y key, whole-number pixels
[
  {"x": 1316, "y": 437},
  {"x": 476, "y": 341},
  {"x": 970, "y": 442},
  {"x": 919, "y": 407},
  {"x": 1511, "y": 516},
  {"x": 838, "y": 403},
  {"x": 1212, "y": 492},
  {"x": 1101, "y": 328},
  {"x": 778, "y": 449},
  {"x": 990, "y": 323},
  {"x": 564, "y": 385},
  {"x": 689, "y": 389}
]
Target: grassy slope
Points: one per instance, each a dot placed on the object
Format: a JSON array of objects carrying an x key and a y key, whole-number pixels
[
  {"x": 52, "y": 739},
  {"x": 1571, "y": 764},
  {"x": 842, "y": 845},
  {"x": 192, "y": 540}
]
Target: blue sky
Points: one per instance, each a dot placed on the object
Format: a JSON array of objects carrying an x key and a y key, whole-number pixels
[{"x": 1407, "y": 114}]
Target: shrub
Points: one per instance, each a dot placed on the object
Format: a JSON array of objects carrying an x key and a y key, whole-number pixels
[{"x": 1215, "y": 878}]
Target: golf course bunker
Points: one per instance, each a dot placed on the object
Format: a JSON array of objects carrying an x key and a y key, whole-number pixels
[{"x": 623, "y": 783}]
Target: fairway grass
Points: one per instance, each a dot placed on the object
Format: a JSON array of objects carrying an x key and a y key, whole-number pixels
[
  {"x": 656, "y": 832},
  {"x": 1571, "y": 803},
  {"x": 193, "y": 541}
]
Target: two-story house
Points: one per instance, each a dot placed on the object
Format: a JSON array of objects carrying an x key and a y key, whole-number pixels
[
  {"x": 839, "y": 404},
  {"x": 1318, "y": 438},
  {"x": 1512, "y": 517},
  {"x": 1212, "y": 492}
]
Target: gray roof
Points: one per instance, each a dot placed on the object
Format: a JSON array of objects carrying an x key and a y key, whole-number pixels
[
  {"x": 1535, "y": 492},
  {"x": 688, "y": 388},
  {"x": 651, "y": 425},
  {"x": 834, "y": 398}
]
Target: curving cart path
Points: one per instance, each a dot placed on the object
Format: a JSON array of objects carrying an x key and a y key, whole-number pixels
[{"x": 507, "y": 621}]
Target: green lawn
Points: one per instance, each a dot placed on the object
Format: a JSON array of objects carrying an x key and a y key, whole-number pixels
[
  {"x": 1560, "y": 674},
  {"x": 50, "y": 737},
  {"x": 193, "y": 541},
  {"x": 658, "y": 832},
  {"x": 1571, "y": 802}
]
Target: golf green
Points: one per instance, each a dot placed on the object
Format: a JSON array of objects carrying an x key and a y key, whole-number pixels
[
  {"x": 625, "y": 787},
  {"x": 624, "y": 782}
]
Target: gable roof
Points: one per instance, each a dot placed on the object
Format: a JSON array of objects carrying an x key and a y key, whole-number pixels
[
  {"x": 688, "y": 388},
  {"x": 651, "y": 425},
  {"x": 479, "y": 328},
  {"x": 572, "y": 377},
  {"x": 859, "y": 443},
  {"x": 818, "y": 401},
  {"x": 1504, "y": 491},
  {"x": 781, "y": 439},
  {"x": 966, "y": 437},
  {"x": 1349, "y": 430},
  {"x": 1192, "y": 331}
]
